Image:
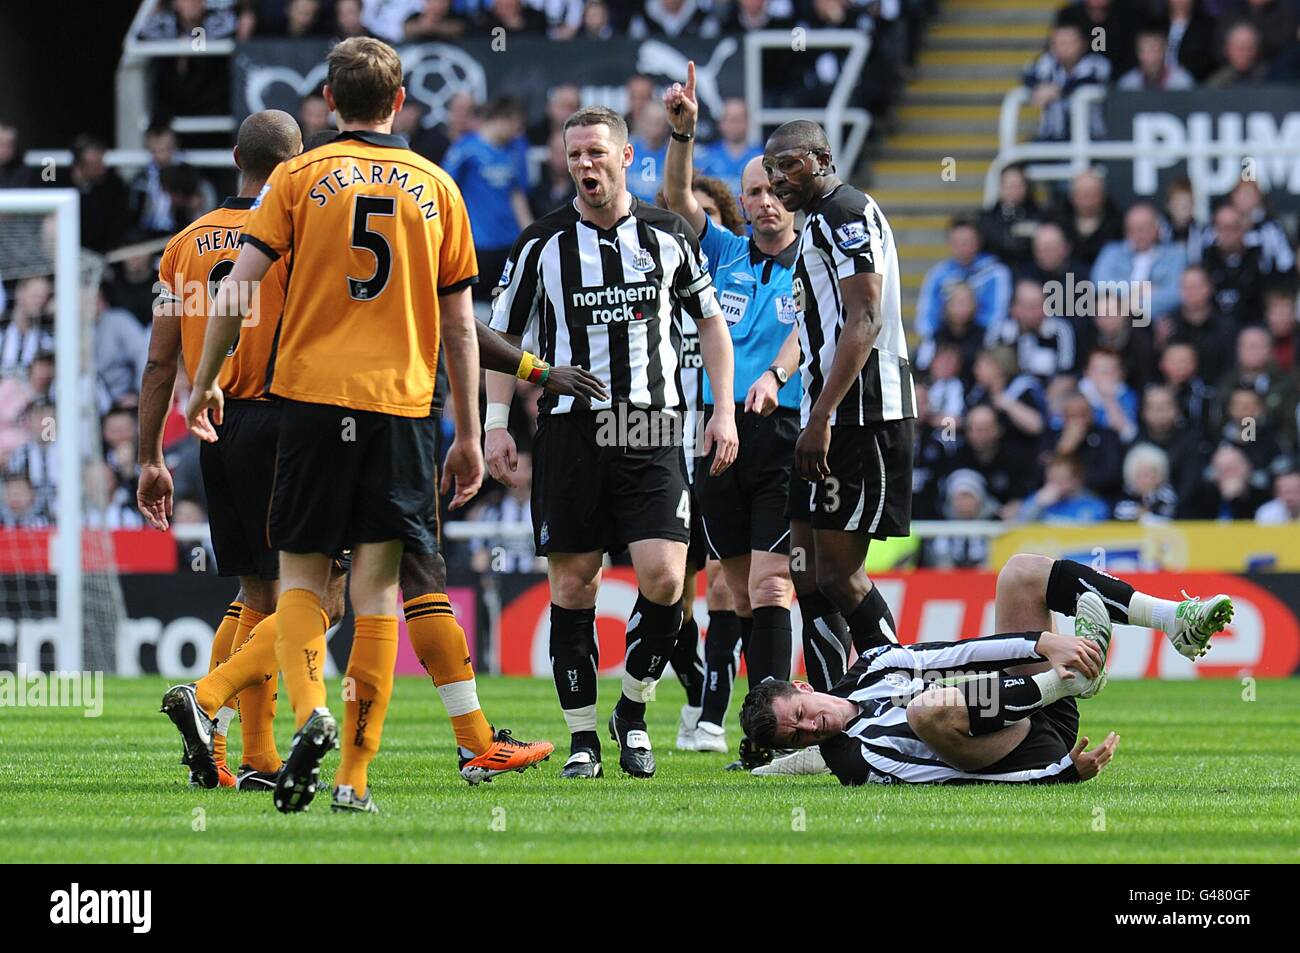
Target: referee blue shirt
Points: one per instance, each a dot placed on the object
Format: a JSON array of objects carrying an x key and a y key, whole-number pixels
[{"x": 754, "y": 292}]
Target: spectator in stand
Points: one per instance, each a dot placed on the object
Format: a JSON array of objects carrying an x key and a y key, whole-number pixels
[
  {"x": 987, "y": 277},
  {"x": 462, "y": 117},
  {"x": 649, "y": 138},
  {"x": 105, "y": 201},
  {"x": 1007, "y": 229},
  {"x": 1089, "y": 217},
  {"x": 1112, "y": 22},
  {"x": 1064, "y": 498},
  {"x": 562, "y": 101},
  {"x": 672, "y": 18},
  {"x": 301, "y": 19},
  {"x": 1255, "y": 370},
  {"x": 434, "y": 20},
  {"x": 1180, "y": 211},
  {"x": 313, "y": 115},
  {"x": 429, "y": 141},
  {"x": 1197, "y": 321},
  {"x": 121, "y": 347},
  {"x": 1274, "y": 22},
  {"x": 556, "y": 187},
  {"x": 22, "y": 508},
  {"x": 1113, "y": 402},
  {"x": 1017, "y": 398},
  {"x": 1112, "y": 329},
  {"x": 1235, "y": 269},
  {"x": 638, "y": 91},
  {"x": 190, "y": 85},
  {"x": 1230, "y": 489},
  {"x": 957, "y": 329},
  {"x": 726, "y": 159},
  {"x": 1098, "y": 448},
  {"x": 1141, "y": 258},
  {"x": 1280, "y": 318},
  {"x": 944, "y": 381},
  {"x": 17, "y": 393},
  {"x": 490, "y": 167},
  {"x": 149, "y": 196},
  {"x": 935, "y": 443},
  {"x": 1191, "y": 38},
  {"x": 1246, "y": 425},
  {"x": 118, "y": 429},
  {"x": 347, "y": 20},
  {"x": 386, "y": 19},
  {"x": 1058, "y": 73},
  {"x": 14, "y": 173},
  {"x": 38, "y": 458},
  {"x": 749, "y": 15},
  {"x": 1244, "y": 64},
  {"x": 965, "y": 497},
  {"x": 28, "y": 329},
  {"x": 513, "y": 17},
  {"x": 1008, "y": 473},
  {"x": 596, "y": 22},
  {"x": 1195, "y": 398},
  {"x": 507, "y": 554},
  {"x": 1044, "y": 346},
  {"x": 1263, "y": 231},
  {"x": 133, "y": 283},
  {"x": 1050, "y": 261},
  {"x": 563, "y": 18},
  {"x": 110, "y": 504},
  {"x": 1162, "y": 427},
  {"x": 1148, "y": 494},
  {"x": 188, "y": 194},
  {"x": 1153, "y": 70},
  {"x": 1285, "y": 505}
]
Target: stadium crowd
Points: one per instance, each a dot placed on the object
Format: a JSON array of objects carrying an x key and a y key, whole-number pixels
[{"x": 1035, "y": 403}]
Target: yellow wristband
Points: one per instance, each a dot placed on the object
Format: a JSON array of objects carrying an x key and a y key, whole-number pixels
[{"x": 525, "y": 366}]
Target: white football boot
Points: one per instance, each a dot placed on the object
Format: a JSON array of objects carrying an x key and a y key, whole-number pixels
[
  {"x": 1092, "y": 622},
  {"x": 803, "y": 761},
  {"x": 1196, "y": 622},
  {"x": 710, "y": 737},
  {"x": 690, "y": 717}
]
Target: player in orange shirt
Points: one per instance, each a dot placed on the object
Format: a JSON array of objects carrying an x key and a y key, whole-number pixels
[{"x": 382, "y": 264}]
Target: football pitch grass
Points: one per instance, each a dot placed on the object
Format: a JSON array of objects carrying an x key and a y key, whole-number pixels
[{"x": 1201, "y": 775}]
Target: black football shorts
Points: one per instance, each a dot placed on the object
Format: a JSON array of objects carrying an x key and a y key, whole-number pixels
[{"x": 869, "y": 489}]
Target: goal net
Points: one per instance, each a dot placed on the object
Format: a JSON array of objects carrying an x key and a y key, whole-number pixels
[{"x": 60, "y": 598}]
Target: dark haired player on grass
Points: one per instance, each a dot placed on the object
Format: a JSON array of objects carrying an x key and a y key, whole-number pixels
[{"x": 1000, "y": 708}]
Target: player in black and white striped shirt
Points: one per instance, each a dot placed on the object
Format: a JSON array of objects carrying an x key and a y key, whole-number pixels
[
  {"x": 609, "y": 284},
  {"x": 853, "y": 460},
  {"x": 1000, "y": 708}
]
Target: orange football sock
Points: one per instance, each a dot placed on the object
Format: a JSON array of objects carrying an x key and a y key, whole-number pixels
[
  {"x": 300, "y": 651},
  {"x": 256, "y": 703},
  {"x": 253, "y": 663},
  {"x": 223, "y": 643},
  {"x": 440, "y": 645},
  {"x": 367, "y": 689}
]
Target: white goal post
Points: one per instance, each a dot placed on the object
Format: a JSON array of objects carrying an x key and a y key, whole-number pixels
[{"x": 65, "y": 559}]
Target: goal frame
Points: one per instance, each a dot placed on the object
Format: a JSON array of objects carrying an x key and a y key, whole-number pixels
[{"x": 65, "y": 549}]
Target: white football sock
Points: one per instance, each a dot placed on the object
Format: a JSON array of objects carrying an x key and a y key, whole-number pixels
[{"x": 1150, "y": 611}]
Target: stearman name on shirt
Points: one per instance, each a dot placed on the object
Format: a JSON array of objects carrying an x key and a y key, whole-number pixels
[{"x": 336, "y": 181}]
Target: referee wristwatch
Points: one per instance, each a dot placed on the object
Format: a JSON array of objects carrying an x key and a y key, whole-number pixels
[{"x": 780, "y": 374}]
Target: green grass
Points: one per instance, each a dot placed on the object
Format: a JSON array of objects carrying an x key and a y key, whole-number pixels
[{"x": 1201, "y": 775}]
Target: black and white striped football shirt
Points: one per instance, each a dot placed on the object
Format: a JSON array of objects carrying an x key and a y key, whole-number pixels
[
  {"x": 612, "y": 300},
  {"x": 879, "y": 745},
  {"x": 846, "y": 234}
]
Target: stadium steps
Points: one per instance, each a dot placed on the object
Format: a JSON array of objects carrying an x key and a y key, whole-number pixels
[{"x": 974, "y": 51}]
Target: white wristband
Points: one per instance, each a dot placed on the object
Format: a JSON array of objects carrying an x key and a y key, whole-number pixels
[{"x": 498, "y": 417}]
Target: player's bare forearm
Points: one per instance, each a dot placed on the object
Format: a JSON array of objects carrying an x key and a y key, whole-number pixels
[
  {"x": 719, "y": 362},
  {"x": 862, "y": 325},
  {"x": 157, "y": 385},
  {"x": 460, "y": 343},
  {"x": 500, "y": 384},
  {"x": 495, "y": 352}
]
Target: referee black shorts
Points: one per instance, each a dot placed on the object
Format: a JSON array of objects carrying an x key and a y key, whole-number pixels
[
  {"x": 593, "y": 492},
  {"x": 345, "y": 477},
  {"x": 744, "y": 508},
  {"x": 238, "y": 472},
  {"x": 869, "y": 489}
]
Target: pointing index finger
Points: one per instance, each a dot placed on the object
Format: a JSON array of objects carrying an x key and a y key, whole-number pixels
[{"x": 690, "y": 78}]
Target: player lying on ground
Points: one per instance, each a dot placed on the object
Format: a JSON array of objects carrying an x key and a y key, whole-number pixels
[{"x": 1001, "y": 708}]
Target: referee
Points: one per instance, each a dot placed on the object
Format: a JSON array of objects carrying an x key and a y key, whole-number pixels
[
  {"x": 744, "y": 508},
  {"x": 608, "y": 283}
]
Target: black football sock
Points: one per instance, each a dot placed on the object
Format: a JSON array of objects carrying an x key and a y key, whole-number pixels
[
  {"x": 721, "y": 659},
  {"x": 687, "y": 663},
  {"x": 871, "y": 623},
  {"x": 826, "y": 641},
  {"x": 574, "y": 662},
  {"x": 651, "y": 638},
  {"x": 770, "y": 644},
  {"x": 1069, "y": 579},
  {"x": 994, "y": 700}
]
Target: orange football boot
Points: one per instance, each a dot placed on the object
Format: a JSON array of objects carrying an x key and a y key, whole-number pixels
[{"x": 505, "y": 754}]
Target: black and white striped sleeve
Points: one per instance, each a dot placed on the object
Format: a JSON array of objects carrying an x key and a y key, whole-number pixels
[
  {"x": 853, "y": 234},
  {"x": 515, "y": 300},
  {"x": 991, "y": 653}
]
